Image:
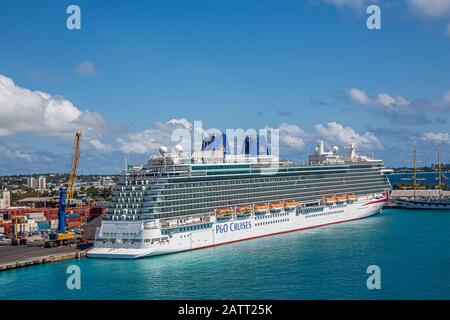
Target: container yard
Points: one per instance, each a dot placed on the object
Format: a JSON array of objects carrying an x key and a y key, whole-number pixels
[
  {"x": 47, "y": 229},
  {"x": 36, "y": 227},
  {"x": 43, "y": 219}
]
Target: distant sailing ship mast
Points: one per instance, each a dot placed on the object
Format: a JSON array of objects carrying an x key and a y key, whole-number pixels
[
  {"x": 439, "y": 170},
  {"x": 414, "y": 178},
  {"x": 427, "y": 203},
  {"x": 415, "y": 172}
]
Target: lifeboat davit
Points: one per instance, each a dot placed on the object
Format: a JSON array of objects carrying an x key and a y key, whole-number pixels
[
  {"x": 276, "y": 207},
  {"x": 329, "y": 200},
  {"x": 261, "y": 208},
  {"x": 341, "y": 199},
  {"x": 351, "y": 198},
  {"x": 244, "y": 211},
  {"x": 224, "y": 213},
  {"x": 290, "y": 205}
]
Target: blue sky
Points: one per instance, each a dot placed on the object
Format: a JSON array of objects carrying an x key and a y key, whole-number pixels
[{"x": 311, "y": 68}]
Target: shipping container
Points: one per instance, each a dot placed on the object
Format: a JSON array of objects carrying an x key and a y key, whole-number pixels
[
  {"x": 43, "y": 225},
  {"x": 34, "y": 215}
]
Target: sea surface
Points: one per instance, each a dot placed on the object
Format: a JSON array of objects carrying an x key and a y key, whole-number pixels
[{"x": 412, "y": 249}]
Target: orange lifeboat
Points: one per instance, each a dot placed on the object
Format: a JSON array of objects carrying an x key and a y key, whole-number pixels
[
  {"x": 341, "y": 199},
  {"x": 224, "y": 213},
  {"x": 290, "y": 204},
  {"x": 244, "y": 211},
  {"x": 276, "y": 206},
  {"x": 351, "y": 198},
  {"x": 261, "y": 208},
  {"x": 329, "y": 200}
]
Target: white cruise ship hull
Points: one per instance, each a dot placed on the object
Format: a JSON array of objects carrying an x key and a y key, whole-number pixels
[{"x": 134, "y": 239}]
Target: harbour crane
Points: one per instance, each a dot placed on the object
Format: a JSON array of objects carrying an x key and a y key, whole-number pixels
[{"x": 66, "y": 196}]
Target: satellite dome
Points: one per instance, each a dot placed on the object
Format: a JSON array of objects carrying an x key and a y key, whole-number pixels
[
  {"x": 335, "y": 149},
  {"x": 163, "y": 150},
  {"x": 178, "y": 149}
]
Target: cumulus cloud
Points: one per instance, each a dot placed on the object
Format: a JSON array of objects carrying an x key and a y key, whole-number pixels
[
  {"x": 98, "y": 145},
  {"x": 149, "y": 140},
  {"x": 292, "y": 136},
  {"x": 359, "y": 96},
  {"x": 337, "y": 133},
  {"x": 86, "y": 68},
  {"x": 383, "y": 99},
  {"x": 389, "y": 101},
  {"x": 398, "y": 108},
  {"x": 180, "y": 122},
  {"x": 26, "y": 111}
]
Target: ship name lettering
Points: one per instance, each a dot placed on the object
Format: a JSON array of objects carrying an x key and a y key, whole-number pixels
[{"x": 234, "y": 226}]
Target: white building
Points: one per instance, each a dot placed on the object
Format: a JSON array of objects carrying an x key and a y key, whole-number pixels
[
  {"x": 32, "y": 183},
  {"x": 5, "y": 200},
  {"x": 42, "y": 183}
]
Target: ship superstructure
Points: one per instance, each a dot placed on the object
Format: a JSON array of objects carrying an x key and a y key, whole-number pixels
[{"x": 177, "y": 203}]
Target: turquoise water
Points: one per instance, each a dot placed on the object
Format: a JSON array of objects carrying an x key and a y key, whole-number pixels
[{"x": 412, "y": 248}]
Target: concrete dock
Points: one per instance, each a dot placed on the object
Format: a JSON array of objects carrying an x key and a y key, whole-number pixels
[{"x": 12, "y": 257}]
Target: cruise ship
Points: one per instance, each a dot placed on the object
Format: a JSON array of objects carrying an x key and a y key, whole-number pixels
[{"x": 177, "y": 203}]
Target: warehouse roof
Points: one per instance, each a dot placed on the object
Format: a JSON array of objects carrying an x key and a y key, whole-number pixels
[{"x": 37, "y": 199}]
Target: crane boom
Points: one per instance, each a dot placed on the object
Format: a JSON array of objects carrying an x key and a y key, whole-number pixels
[
  {"x": 62, "y": 236},
  {"x": 74, "y": 167}
]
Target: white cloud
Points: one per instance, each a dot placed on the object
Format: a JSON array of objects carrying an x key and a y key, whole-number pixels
[
  {"x": 399, "y": 109},
  {"x": 182, "y": 121},
  {"x": 26, "y": 111},
  {"x": 431, "y": 136},
  {"x": 387, "y": 100},
  {"x": 430, "y": 8},
  {"x": 86, "y": 68},
  {"x": 383, "y": 99},
  {"x": 359, "y": 96},
  {"x": 98, "y": 145},
  {"x": 336, "y": 133},
  {"x": 292, "y": 136},
  {"x": 149, "y": 140}
]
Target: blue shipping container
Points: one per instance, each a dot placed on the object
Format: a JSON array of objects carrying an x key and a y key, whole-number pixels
[{"x": 43, "y": 225}]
